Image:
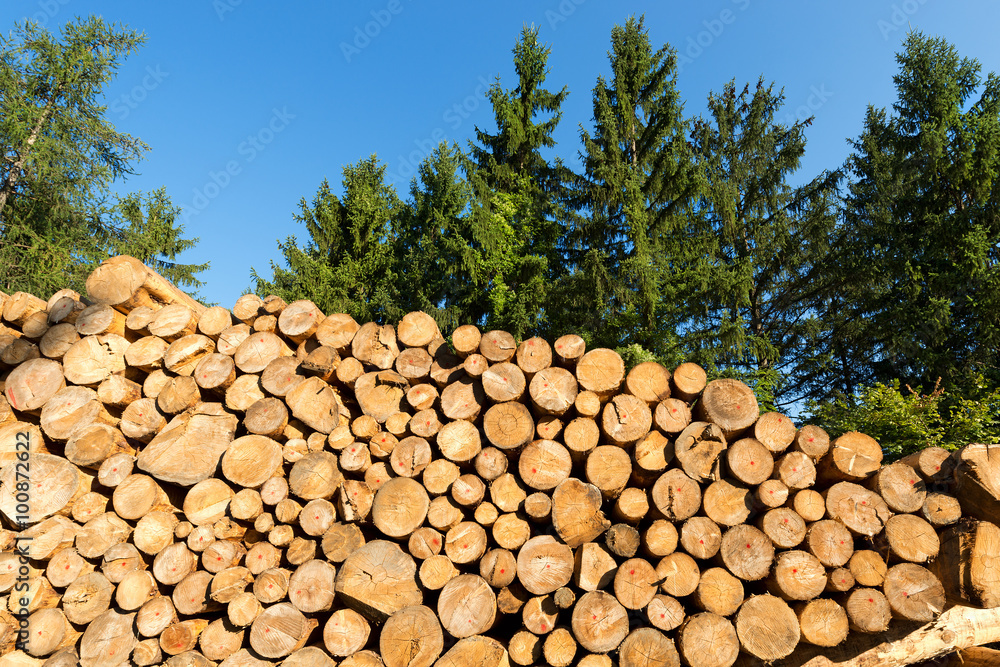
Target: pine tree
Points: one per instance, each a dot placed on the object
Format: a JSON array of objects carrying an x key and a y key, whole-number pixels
[
  {"x": 348, "y": 264},
  {"x": 922, "y": 225},
  {"x": 435, "y": 245},
  {"x": 639, "y": 182},
  {"x": 755, "y": 313},
  {"x": 518, "y": 206},
  {"x": 145, "y": 226},
  {"x": 58, "y": 153}
]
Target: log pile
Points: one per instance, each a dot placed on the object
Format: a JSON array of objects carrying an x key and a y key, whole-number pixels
[{"x": 186, "y": 485}]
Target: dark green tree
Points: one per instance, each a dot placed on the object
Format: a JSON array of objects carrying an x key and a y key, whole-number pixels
[
  {"x": 58, "y": 152},
  {"x": 639, "y": 182},
  {"x": 348, "y": 265},
  {"x": 767, "y": 243},
  {"x": 436, "y": 250},
  {"x": 146, "y": 227},
  {"x": 518, "y": 207},
  {"x": 921, "y": 235}
]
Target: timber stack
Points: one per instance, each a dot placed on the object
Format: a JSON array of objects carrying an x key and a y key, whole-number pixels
[{"x": 271, "y": 484}]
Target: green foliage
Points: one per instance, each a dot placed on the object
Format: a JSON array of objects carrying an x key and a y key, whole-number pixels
[
  {"x": 638, "y": 183},
  {"x": 59, "y": 156},
  {"x": 908, "y": 421},
  {"x": 764, "y": 244},
  {"x": 922, "y": 226},
  {"x": 517, "y": 212},
  {"x": 349, "y": 265}
]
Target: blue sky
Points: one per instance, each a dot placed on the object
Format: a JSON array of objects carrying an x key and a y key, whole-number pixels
[{"x": 248, "y": 105}]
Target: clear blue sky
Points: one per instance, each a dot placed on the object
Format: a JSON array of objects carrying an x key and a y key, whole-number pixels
[{"x": 248, "y": 105}]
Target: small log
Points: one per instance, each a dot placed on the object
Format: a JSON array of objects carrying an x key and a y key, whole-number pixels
[
  {"x": 57, "y": 341},
  {"x": 498, "y": 567},
  {"x": 862, "y": 511},
  {"x": 913, "y": 593},
  {"x": 941, "y": 510},
  {"x": 467, "y": 606},
  {"x": 540, "y": 614},
  {"x": 727, "y": 504},
  {"x": 867, "y": 610},
  {"x": 767, "y": 628},
  {"x": 868, "y": 568},
  {"x": 601, "y": 371},
  {"x": 377, "y": 600},
  {"x": 215, "y": 373},
  {"x": 93, "y": 444},
  {"x": 544, "y": 565},
  {"x": 852, "y": 457},
  {"x": 280, "y": 630},
  {"x": 646, "y": 646},
  {"x": 708, "y": 640},
  {"x": 345, "y": 633},
  {"x": 831, "y": 542},
  {"x": 746, "y": 552},
  {"x": 797, "y": 575},
  {"x": 625, "y": 420},
  {"x": 822, "y": 622},
  {"x": 599, "y": 622},
  {"x": 679, "y": 574},
  {"x": 507, "y": 426},
  {"x": 795, "y": 470},
  {"x": 701, "y": 537},
  {"x": 676, "y": 496},
  {"x": 809, "y": 504},
  {"x": 749, "y": 461},
  {"x": 698, "y": 448},
  {"x": 729, "y": 404},
  {"x": 118, "y": 392},
  {"x": 775, "y": 431},
  {"x": 902, "y": 489},
  {"x": 609, "y": 468},
  {"x": 910, "y": 538},
  {"x": 785, "y": 528}
]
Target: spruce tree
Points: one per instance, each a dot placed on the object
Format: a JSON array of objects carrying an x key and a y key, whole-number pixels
[
  {"x": 348, "y": 265},
  {"x": 922, "y": 225},
  {"x": 638, "y": 185},
  {"x": 755, "y": 313},
  {"x": 517, "y": 213}
]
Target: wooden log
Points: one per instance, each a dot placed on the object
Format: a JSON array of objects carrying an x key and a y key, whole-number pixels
[
  {"x": 29, "y": 386},
  {"x": 966, "y": 565},
  {"x": 862, "y": 511},
  {"x": 784, "y": 526},
  {"x": 749, "y": 461},
  {"x": 635, "y": 583},
  {"x": 280, "y": 630},
  {"x": 698, "y": 448},
  {"x": 767, "y": 628},
  {"x": 727, "y": 504},
  {"x": 55, "y": 484},
  {"x": 299, "y": 320},
  {"x": 125, "y": 283},
  {"x": 57, "y": 340},
  {"x": 587, "y": 404},
  {"x": 609, "y": 468},
  {"x": 476, "y": 650},
  {"x": 437, "y": 571},
  {"x": 913, "y": 593},
  {"x": 941, "y": 509},
  {"x": 977, "y": 481},
  {"x": 507, "y": 426},
  {"x": 17, "y": 351},
  {"x": 87, "y": 598},
  {"x": 830, "y": 542},
  {"x": 93, "y": 444},
  {"x": 503, "y": 382},
  {"x": 676, "y": 496},
  {"x": 902, "y": 489},
  {"x": 625, "y": 419},
  {"x": 730, "y": 405},
  {"x": 375, "y": 345},
  {"x": 599, "y": 622},
  {"x": 281, "y": 375},
  {"x": 645, "y": 646},
  {"x": 172, "y": 322},
  {"x": 678, "y": 574},
  {"x": 64, "y": 306},
  {"x": 718, "y": 592},
  {"x": 576, "y": 512},
  {"x": 581, "y": 437},
  {"x": 852, "y": 457},
  {"x": 118, "y": 392},
  {"x": 108, "y": 639},
  {"x": 867, "y": 610},
  {"x": 345, "y": 633},
  {"x": 867, "y": 567},
  {"x": 746, "y": 552},
  {"x": 540, "y": 614},
  {"x": 213, "y": 321},
  {"x": 100, "y": 319},
  {"x": 465, "y": 543},
  {"x": 933, "y": 464},
  {"x": 392, "y": 588},
  {"x": 795, "y": 470},
  {"x": 498, "y": 567},
  {"x": 177, "y": 395},
  {"x": 142, "y": 420},
  {"x": 559, "y": 648},
  {"x": 381, "y": 394},
  {"x": 146, "y": 354},
  {"x": 775, "y": 431},
  {"x": 189, "y": 447},
  {"x": 708, "y": 639},
  {"x": 601, "y": 371},
  {"x": 413, "y": 363},
  {"x": 910, "y": 538},
  {"x": 797, "y": 575},
  {"x": 632, "y": 506},
  {"x": 257, "y": 351},
  {"x": 137, "y": 495},
  {"x": 544, "y": 565},
  {"x": 19, "y": 306},
  {"x": 311, "y": 586},
  {"x": 544, "y": 464},
  {"x": 822, "y": 622},
  {"x": 672, "y": 415},
  {"x": 809, "y": 504},
  {"x": 155, "y": 616},
  {"x": 215, "y": 373},
  {"x": 467, "y": 606},
  {"x": 48, "y": 631},
  {"x": 138, "y": 319}
]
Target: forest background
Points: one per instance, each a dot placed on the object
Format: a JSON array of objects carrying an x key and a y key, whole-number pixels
[{"x": 863, "y": 297}]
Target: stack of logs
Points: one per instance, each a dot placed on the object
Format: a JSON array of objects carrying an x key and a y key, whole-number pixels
[{"x": 198, "y": 486}]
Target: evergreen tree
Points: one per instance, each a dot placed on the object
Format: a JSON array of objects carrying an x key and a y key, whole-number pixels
[
  {"x": 145, "y": 226},
  {"x": 639, "y": 182},
  {"x": 518, "y": 206},
  {"x": 922, "y": 226},
  {"x": 58, "y": 153},
  {"x": 437, "y": 252},
  {"x": 348, "y": 266},
  {"x": 755, "y": 314}
]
